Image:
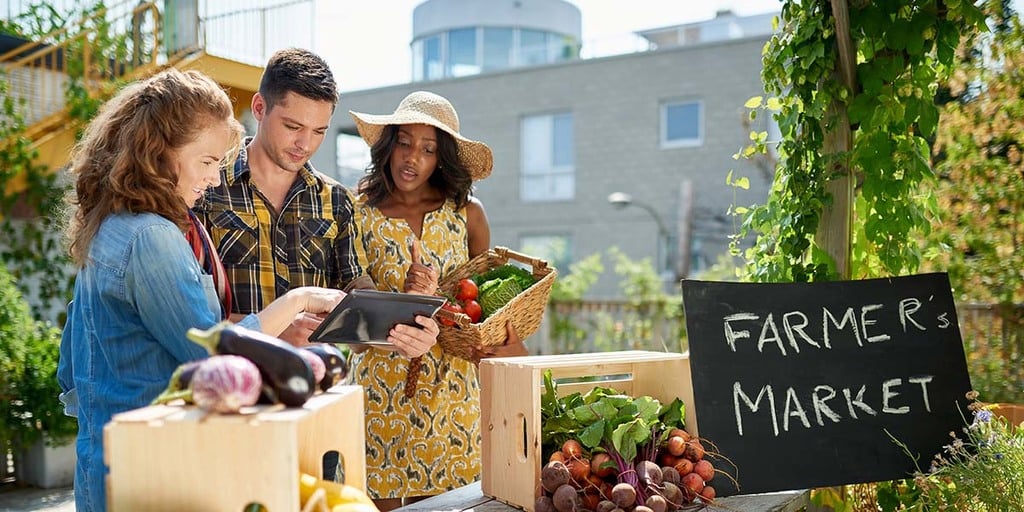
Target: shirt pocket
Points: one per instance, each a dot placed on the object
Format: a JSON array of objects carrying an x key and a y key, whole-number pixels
[
  {"x": 236, "y": 236},
  {"x": 318, "y": 235}
]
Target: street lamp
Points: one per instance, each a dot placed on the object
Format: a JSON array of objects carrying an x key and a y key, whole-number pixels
[{"x": 622, "y": 200}]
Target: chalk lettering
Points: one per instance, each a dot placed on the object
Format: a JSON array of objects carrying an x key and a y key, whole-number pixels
[
  {"x": 943, "y": 321},
  {"x": 769, "y": 324},
  {"x": 793, "y": 408},
  {"x": 848, "y": 318},
  {"x": 923, "y": 381},
  {"x": 822, "y": 408},
  {"x": 865, "y": 322},
  {"x": 730, "y": 335},
  {"x": 859, "y": 402},
  {"x": 907, "y": 308},
  {"x": 794, "y": 411},
  {"x": 792, "y": 327},
  {"x": 888, "y": 394},
  {"x": 737, "y": 394}
]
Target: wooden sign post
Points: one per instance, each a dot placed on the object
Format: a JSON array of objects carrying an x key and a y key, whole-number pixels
[{"x": 807, "y": 385}]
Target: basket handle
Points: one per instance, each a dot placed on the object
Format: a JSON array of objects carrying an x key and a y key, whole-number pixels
[
  {"x": 461, "y": 319},
  {"x": 536, "y": 263}
]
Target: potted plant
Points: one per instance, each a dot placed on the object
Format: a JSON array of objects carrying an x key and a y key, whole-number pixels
[
  {"x": 15, "y": 321},
  {"x": 32, "y": 416}
]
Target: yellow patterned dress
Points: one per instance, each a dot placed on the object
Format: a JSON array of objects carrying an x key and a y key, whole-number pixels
[{"x": 431, "y": 443}]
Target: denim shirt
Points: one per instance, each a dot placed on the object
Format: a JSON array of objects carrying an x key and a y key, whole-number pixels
[{"x": 139, "y": 292}]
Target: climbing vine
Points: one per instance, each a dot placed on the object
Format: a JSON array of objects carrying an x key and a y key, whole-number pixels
[
  {"x": 32, "y": 217},
  {"x": 903, "y": 49}
]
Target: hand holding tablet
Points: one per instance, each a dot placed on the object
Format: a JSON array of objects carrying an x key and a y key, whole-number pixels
[{"x": 366, "y": 316}]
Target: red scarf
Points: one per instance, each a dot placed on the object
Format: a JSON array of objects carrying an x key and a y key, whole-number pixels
[{"x": 202, "y": 247}]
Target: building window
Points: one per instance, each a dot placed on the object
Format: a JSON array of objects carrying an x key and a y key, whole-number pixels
[
  {"x": 682, "y": 124},
  {"x": 498, "y": 48},
  {"x": 352, "y": 159},
  {"x": 462, "y": 52},
  {"x": 427, "y": 63},
  {"x": 533, "y": 49},
  {"x": 554, "y": 249},
  {"x": 548, "y": 158}
]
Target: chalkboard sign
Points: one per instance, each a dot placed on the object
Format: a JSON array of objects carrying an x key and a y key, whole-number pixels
[{"x": 808, "y": 385}]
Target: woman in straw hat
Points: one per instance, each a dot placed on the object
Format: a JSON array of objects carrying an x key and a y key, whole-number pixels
[{"x": 418, "y": 222}]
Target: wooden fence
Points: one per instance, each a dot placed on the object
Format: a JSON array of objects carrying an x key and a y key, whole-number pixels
[{"x": 988, "y": 330}]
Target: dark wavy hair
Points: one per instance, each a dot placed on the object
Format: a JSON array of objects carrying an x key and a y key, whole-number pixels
[
  {"x": 450, "y": 176},
  {"x": 300, "y": 71},
  {"x": 122, "y": 162}
]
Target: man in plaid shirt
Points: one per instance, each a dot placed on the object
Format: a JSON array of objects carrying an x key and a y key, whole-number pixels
[{"x": 276, "y": 222}]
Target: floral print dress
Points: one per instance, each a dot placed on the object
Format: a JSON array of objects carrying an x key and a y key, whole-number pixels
[{"x": 431, "y": 443}]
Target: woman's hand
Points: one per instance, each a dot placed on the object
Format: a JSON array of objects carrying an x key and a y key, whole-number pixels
[
  {"x": 414, "y": 341},
  {"x": 421, "y": 277},
  {"x": 314, "y": 299},
  {"x": 513, "y": 346},
  {"x": 299, "y": 311}
]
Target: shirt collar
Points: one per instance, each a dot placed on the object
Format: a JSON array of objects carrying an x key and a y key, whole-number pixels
[{"x": 241, "y": 169}]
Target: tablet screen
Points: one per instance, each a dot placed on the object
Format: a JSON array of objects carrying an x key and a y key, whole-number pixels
[{"x": 366, "y": 316}]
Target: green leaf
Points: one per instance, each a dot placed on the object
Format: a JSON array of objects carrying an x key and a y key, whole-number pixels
[{"x": 591, "y": 435}]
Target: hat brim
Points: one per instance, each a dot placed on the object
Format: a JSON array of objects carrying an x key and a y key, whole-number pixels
[{"x": 473, "y": 154}]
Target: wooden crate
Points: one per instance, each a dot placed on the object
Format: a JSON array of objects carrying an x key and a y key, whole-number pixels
[
  {"x": 165, "y": 458},
  {"x": 510, "y": 401}
]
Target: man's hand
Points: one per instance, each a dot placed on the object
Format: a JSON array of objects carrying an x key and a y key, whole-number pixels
[
  {"x": 301, "y": 328},
  {"x": 414, "y": 341},
  {"x": 421, "y": 278}
]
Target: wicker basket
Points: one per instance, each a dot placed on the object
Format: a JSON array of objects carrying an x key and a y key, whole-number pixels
[{"x": 525, "y": 310}]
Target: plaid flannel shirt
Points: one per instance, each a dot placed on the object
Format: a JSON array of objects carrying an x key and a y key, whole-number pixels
[{"x": 312, "y": 241}]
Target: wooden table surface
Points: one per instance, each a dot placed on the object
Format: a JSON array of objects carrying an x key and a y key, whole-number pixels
[{"x": 470, "y": 497}]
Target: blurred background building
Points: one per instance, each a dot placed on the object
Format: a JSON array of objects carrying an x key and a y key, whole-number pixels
[{"x": 629, "y": 150}]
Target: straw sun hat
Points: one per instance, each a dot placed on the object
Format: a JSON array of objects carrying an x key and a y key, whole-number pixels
[{"x": 423, "y": 107}]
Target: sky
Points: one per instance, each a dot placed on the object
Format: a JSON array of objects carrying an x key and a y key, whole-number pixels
[{"x": 366, "y": 43}]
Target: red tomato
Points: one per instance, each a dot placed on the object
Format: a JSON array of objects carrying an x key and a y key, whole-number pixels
[
  {"x": 454, "y": 308},
  {"x": 473, "y": 310},
  {"x": 467, "y": 290}
]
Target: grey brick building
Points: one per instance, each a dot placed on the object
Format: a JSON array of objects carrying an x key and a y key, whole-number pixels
[{"x": 660, "y": 125}]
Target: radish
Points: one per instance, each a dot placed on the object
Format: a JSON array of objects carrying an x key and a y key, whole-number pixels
[{"x": 226, "y": 383}]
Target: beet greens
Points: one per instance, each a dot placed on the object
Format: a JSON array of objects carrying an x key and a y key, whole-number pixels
[{"x": 603, "y": 419}]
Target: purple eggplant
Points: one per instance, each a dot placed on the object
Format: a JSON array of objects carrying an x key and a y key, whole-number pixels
[
  {"x": 226, "y": 383},
  {"x": 287, "y": 376},
  {"x": 334, "y": 360}
]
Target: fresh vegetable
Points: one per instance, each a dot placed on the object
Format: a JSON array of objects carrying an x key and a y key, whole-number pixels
[
  {"x": 316, "y": 363},
  {"x": 493, "y": 297},
  {"x": 473, "y": 310},
  {"x": 454, "y": 308},
  {"x": 178, "y": 385},
  {"x": 523, "y": 276},
  {"x": 621, "y": 452},
  {"x": 226, "y": 383},
  {"x": 337, "y": 494},
  {"x": 553, "y": 475},
  {"x": 334, "y": 361},
  {"x": 467, "y": 290},
  {"x": 287, "y": 376}
]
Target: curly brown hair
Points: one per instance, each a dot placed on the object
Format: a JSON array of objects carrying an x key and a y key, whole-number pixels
[
  {"x": 121, "y": 164},
  {"x": 450, "y": 176}
]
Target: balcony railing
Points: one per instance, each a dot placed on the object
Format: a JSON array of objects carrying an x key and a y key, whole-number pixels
[{"x": 36, "y": 71}]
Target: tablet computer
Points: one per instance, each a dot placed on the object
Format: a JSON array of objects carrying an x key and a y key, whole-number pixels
[{"x": 366, "y": 316}]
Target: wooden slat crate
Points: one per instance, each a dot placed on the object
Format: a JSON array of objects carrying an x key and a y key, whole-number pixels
[
  {"x": 172, "y": 458},
  {"x": 510, "y": 401}
]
